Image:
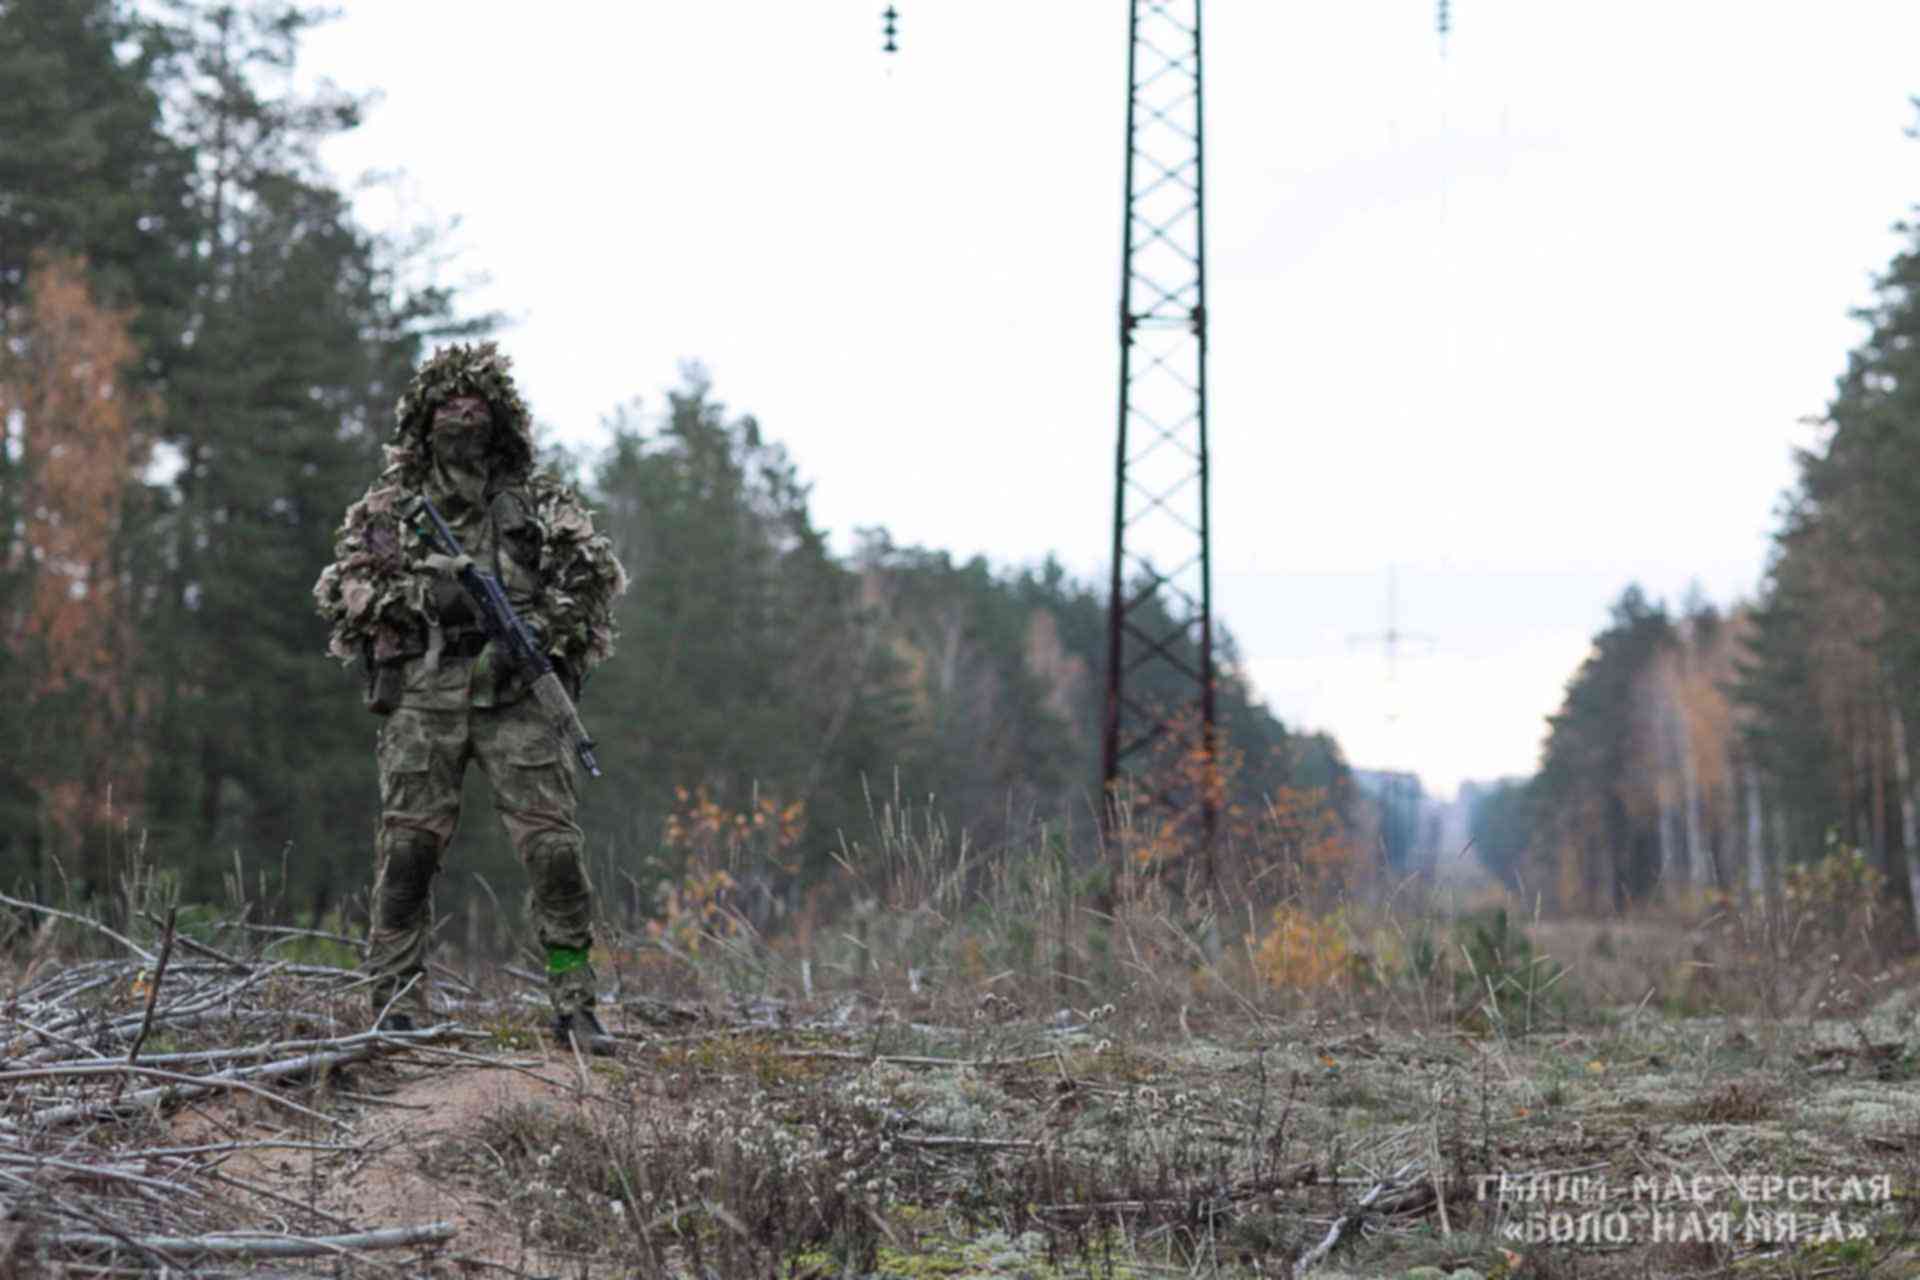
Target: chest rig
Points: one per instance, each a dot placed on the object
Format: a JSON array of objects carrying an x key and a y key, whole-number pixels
[
  {"x": 503, "y": 539},
  {"x": 452, "y": 662}
]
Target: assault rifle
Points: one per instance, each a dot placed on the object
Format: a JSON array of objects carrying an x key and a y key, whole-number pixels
[{"x": 512, "y": 635}]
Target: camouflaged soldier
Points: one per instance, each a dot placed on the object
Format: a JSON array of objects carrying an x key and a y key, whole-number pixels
[{"x": 448, "y": 694}]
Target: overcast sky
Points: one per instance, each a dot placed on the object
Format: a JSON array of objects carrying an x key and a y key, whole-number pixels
[{"x": 1514, "y": 327}]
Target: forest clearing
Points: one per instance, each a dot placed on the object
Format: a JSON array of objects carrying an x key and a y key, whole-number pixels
[
  {"x": 963, "y": 893},
  {"x": 1465, "y": 1096}
]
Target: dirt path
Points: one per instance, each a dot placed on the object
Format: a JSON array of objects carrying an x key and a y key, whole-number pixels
[
  {"x": 414, "y": 1120},
  {"x": 439, "y": 1105}
]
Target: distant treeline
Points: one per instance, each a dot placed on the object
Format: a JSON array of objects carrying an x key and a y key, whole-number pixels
[
  {"x": 1721, "y": 750},
  {"x": 200, "y": 349}
]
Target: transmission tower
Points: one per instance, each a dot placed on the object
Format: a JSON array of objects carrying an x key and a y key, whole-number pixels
[
  {"x": 1160, "y": 607},
  {"x": 1160, "y": 601},
  {"x": 1393, "y": 640},
  {"x": 1399, "y": 785}
]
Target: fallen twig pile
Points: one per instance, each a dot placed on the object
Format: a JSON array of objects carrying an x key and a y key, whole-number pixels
[{"x": 94, "y": 1054}]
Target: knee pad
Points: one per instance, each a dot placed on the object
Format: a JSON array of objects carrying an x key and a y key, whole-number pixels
[
  {"x": 554, "y": 867},
  {"x": 413, "y": 860}
]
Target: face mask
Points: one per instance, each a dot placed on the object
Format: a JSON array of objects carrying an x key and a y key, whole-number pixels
[
  {"x": 462, "y": 433},
  {"x": 461, "y": 446}
]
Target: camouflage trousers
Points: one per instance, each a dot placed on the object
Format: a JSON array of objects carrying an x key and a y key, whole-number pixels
[{"x": 423, "y": 757}]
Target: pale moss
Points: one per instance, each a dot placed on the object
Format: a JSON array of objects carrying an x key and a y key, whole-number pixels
[
  {"x": 994, "y": 1255},
  {"x": 1728, "y": 1141},
  {"x": 891, "y": 1263},
  {"x": 1212, "y": 1057},
  {"x": 1864, "y": 1115}
]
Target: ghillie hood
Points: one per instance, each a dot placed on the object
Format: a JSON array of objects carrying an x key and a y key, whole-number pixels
[{"x": 482, "y": 370}]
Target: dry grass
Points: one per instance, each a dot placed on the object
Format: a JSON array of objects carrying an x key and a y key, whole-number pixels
[{"x": 971, "y": 1070}]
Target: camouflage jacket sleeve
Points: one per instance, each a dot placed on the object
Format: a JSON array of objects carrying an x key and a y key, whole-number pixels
[
  {"x": 580, "y": 575},
  {"x": 369, "y": 595}
]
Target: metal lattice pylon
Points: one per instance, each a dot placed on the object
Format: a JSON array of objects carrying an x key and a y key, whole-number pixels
[{"x": 1159, "y": 620}]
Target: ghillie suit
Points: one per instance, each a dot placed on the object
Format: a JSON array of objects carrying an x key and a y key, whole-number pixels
[{"x": 463, "y": 437}]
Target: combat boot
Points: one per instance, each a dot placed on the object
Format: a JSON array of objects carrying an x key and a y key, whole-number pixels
[
  {"x": 389, "y": 1013},
  {"x": 581, "y": 1027}
]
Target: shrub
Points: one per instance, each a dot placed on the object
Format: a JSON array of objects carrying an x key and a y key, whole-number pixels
[{"x": 1306, "y": 952}]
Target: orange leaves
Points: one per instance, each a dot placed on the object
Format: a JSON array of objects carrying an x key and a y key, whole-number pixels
[
  {"x": 708, "y": 830},
  {"x": 695, "y": 909},
  {"x": 68, "y": 424},
  {"x": 1295, "y": 844},
  {"x": 1305, "y": 952},
  {"x": 1163, "y": 801},
  {"x": 716, "y": 846},
  {"x": 69, "y": 421},
  {"x": 1302, "y": 828}
]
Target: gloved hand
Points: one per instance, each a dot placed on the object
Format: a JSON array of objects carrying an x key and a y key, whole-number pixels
[{"x": 440, "y": 562}]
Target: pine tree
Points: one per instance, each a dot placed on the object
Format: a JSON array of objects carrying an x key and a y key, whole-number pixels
[
  {"x": 1829, "y": 687},
  {"x": 1598, "y": 796},
  {"x": 278, "y": 384},
  {"x": 166, "y": 145},
  {"x": 86, "y": 164},
  {"x": 744, "y": 658}
]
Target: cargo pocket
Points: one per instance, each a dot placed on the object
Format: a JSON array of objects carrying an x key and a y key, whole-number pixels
[
  {"x": 534, "y": 784},
  {"x": 534, "y": 750},
  {"x": 406, "y": 753}
]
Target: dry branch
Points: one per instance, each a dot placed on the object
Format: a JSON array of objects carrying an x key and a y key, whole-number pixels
[
  {"x": 95, "y": 925},
  {"x": 180, "y": 1087},
  {"x": 1346, "y": 1222},
  {"x": 153, "y": 991},
  {"x": 915, "y": 1060},
  {"x": 270, "y": 1246}
]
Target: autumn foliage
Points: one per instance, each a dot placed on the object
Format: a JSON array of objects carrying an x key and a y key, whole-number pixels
[
  {"x": 1161, "y": 806},
  {"x": 1306, "y": 951},
  {"x": 1286, "y": 855},
  {"x": 73, "y": 445},
  {"x": 716, "y": 858}
]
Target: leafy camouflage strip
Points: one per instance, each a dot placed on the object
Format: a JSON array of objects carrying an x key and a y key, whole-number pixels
[
  {"x": 579, "y": 573},
  {"x": 371, "y": 596},
  {"x": 369, "y": 593}
]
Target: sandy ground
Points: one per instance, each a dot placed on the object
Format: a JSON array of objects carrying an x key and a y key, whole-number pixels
[{"x": 401, "y": 1115}]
